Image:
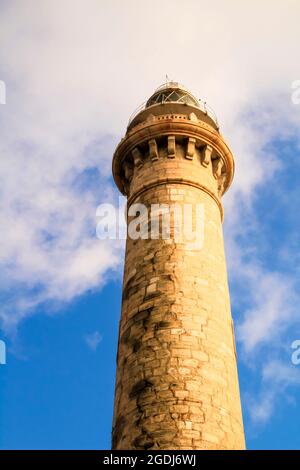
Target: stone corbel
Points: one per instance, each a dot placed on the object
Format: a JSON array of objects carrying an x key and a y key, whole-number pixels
[
  {"x": 137, "y": 157},
  {"x": 221, "y": 183},
  {"x": 217, "y": 165},
  {"x": 153, "y": 149},
  {"x": 128, "y": 173},
  {"x": 190, "y": 149},
  {"x": 171, "y": 146},
  {"x": 206, "y": 155}
]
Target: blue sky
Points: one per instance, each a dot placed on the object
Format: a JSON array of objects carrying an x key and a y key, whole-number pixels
[
  {"x": 58, "y": 392},
  {"x": 74, "y": 72}
]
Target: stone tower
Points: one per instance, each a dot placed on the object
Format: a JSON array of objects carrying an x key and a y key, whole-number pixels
[{"x": 177, "y": 383}]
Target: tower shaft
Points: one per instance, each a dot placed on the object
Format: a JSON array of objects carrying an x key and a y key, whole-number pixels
[{"x": 177, "y": 384}]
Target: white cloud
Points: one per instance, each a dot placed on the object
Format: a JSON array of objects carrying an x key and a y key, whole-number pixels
[
  {"x": 261, "y": 408},
  {"x": 274, "y": 306},
  {"x": 74, "y": 71},
  {"x": 278, "y": 380},
  {"x": 93, "y": 340}
]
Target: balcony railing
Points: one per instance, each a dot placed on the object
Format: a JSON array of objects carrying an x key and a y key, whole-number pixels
[{"x": 201, "y": 105}]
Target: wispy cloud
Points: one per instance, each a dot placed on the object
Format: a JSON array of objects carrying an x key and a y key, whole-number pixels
[
  {"x": 274, "y": 306},
  {"x": 93, "y": 340},
  {"x": 73, "y": 78},
  {"x": 279, "y": 380}
]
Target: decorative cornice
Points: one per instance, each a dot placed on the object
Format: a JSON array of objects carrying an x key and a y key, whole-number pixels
[{"x": 197, "y": 133}]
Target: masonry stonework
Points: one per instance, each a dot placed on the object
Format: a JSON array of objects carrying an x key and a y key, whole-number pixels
[{"x": 177, "y": 383}]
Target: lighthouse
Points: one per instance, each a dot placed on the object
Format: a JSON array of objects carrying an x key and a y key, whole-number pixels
[{"x": 176, "y": 380}]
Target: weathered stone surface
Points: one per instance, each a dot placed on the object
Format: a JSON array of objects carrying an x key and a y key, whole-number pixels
[{"x": 177, "y": 383}]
